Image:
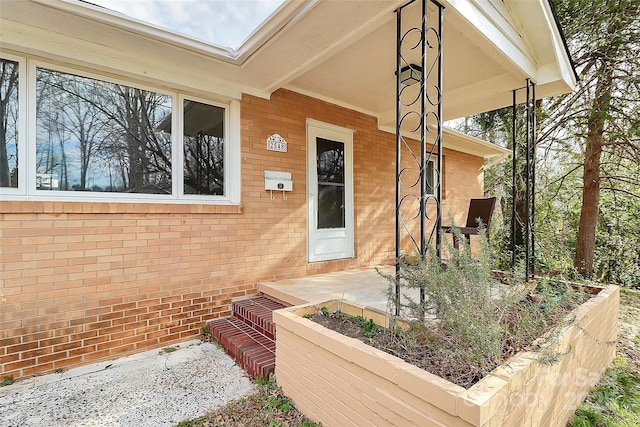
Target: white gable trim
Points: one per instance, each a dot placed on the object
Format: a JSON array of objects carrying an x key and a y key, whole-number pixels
[{"x": 489, "y": 21}]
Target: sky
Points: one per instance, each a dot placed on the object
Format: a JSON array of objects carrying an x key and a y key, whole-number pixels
[{"x": 225, "y": 23}]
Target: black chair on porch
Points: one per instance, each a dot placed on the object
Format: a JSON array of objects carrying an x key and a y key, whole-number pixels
[{"x": 480, "y": 210}]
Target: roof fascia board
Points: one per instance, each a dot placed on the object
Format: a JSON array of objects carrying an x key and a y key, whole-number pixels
[
  {"x": 504, "y": 19},
  {"x": 458, "y": 141},
  {"x": 288, "y": 12},
  {"x": 47, "y": 46},
  {"x": 493, "y": 27},
  {"x": 119, "y": 20},
  {"x": 561, "y": 50},
  {"x": 471, "y": 145}
]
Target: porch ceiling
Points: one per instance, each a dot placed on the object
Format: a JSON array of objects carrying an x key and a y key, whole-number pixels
[
  {"x": 487, "y": 54},
  {"x": 339, "y": 51}
]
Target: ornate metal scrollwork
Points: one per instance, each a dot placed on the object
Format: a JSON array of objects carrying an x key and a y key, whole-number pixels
[{"x": 418, "y": 130}]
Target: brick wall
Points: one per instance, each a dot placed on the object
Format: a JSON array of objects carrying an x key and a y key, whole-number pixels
[{"x": 81, "y": 282}]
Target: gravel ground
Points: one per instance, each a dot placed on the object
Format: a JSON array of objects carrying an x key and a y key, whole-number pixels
[{"x": 152, "y": 389}]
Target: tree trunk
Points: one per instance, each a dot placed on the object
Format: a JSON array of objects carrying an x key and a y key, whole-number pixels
[
  {"x": 5, "y": 173},
  {"x": 9, "y": 83},
  {"x": 586, "y": 241}
]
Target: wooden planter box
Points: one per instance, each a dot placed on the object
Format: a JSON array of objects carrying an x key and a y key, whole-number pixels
[{"x": 341, "y": 381}]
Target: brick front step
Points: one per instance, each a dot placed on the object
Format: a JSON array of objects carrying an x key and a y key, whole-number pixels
[
  {"x": 249, "y": 335},
  {"x": 257, "y": 313}
]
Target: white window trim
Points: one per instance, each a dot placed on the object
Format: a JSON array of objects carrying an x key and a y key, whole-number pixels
[
  {"x": 22, "y": 127},
  {"x": 27, "y": 151},
  {"x": 231, "y": 150}
]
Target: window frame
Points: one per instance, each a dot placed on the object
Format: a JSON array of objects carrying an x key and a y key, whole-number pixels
[
  {"x": 27, "y": 190},
  {"x": 22, "y": 126},
  {"x": 433, "y": 178},
  {"x": 231, "y": 151},
  {"x": 434, "y": 175}
]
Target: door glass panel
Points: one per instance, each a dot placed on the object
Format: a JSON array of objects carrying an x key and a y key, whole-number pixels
[
  {"x": 330, "y": 161},
  {"x": 330, "y": 206},
  {"x": 330, "y": 167}
]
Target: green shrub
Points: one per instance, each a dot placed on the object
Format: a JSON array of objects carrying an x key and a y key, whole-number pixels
[{"x": 469, "y": 319}]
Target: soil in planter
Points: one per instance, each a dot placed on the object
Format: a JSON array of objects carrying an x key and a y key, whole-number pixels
[{"x": 429, "y": 347}]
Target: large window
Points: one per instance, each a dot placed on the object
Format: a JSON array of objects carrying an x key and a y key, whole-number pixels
[{"x": 91, "y": 137}]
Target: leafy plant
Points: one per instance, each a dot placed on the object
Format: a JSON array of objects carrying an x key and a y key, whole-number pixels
[
  {"x": 469, "y": 320},
  {"x": 7, "y": 380},
  {"x": 367, "y": 326},
  {"x": 264, "y": 383}
]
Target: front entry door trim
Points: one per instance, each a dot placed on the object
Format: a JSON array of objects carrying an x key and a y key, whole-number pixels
[{"x": 330, "y": 232}]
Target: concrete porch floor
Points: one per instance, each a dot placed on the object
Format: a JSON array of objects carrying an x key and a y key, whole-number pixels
[{"x": 364, "y": 286}]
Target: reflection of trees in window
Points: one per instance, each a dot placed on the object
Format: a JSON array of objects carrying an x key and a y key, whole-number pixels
[
  {"x": 99, "y": 136},
  {"x": 148, "y": 153},
  {"x": 203, "y": 148},
  {"x": 330, "y": 161},
  {"x": 71, "y": 122},
  {"x": 8, "y": 123},
  {"x": 330, "y": 167}
]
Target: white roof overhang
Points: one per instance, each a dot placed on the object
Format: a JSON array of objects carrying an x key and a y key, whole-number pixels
[
  {"x": 459, "y": 141},
  {"x": 340, "y": 51}
]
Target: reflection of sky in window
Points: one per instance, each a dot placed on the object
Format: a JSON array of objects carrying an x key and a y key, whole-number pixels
[
  {"x": 59, "y": 151},
  {"x": 220, "y": 22}
]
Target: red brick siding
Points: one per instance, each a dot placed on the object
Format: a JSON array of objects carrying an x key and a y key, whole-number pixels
[{"x": 81, "y": 282}]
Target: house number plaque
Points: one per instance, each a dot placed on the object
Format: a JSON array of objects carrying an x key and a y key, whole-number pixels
[{"x": 276, "y": 143}]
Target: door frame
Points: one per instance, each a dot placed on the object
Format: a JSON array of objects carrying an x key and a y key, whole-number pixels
[{"x": 320, "y": 129}]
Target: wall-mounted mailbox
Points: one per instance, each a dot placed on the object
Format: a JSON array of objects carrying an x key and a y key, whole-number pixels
[{"x": 278, "y": 181}]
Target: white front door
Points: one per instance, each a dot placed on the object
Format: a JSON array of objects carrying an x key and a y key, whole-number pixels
[{"x": 329, "y": 191}]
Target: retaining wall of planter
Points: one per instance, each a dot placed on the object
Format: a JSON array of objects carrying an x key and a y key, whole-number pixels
[{"x": 341, "y": 381}]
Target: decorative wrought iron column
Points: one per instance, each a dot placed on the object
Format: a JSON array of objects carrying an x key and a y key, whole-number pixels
[
  {"x": 524, "y": 144},
  {"x": 418, "y": 132}
]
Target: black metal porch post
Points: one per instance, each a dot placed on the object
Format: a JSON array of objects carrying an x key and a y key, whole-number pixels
[
  {"x": 528, "y": 222},
  {"x": 398, "y": 157},
  {"x": 418, "y": 99},
  {"x": 533, "y": 178},
  {"x": 439, "y": 134}
]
